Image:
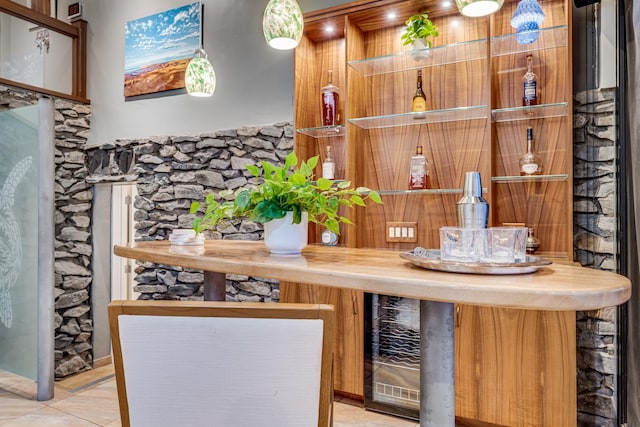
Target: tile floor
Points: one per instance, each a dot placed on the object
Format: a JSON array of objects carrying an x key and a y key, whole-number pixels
[{"x": 89, "y": 399}]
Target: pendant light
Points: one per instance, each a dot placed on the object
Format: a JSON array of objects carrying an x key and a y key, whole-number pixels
[
  {"x": 477, "y": 8},
  {"x": 527, "y": 19},
  {"x": 282, "y": 24},
  {"x": 199, "y": 78}
]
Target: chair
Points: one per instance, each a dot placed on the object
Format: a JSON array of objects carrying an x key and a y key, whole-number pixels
[{"x": 196, "y": 363}]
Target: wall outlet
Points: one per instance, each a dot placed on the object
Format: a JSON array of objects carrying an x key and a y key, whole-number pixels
[{"x": 402, "y": 232}]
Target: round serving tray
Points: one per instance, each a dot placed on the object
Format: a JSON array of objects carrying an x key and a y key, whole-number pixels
[{"x": 430, "y": 259}]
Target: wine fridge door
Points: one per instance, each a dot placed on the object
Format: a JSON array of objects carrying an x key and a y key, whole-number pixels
[{"x": 392, "y": 355}]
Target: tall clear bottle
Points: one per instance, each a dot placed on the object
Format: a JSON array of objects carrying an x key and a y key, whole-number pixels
[
  {"x": 529, "y": 85},
  {"x": 530, "y": 163},
  {"x": 418, "y": 170},
  {"x": 330, "y": 102},
  {"x": 328, "y": 166}
]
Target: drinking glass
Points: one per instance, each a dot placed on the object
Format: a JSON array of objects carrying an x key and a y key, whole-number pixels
[
  {"x": 463, "y": 244},
  {"x": 507, "y": 244}
]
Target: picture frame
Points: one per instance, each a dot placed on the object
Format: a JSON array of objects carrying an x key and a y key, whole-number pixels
[{"x": 158, "y": 49}]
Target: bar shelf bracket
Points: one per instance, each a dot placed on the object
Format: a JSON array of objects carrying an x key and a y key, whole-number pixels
[
  {"x": 477, "y": 112},
  {"x": 324, "y": 131},
  {"x": 543, "y": 111},
  {"x": 548, "y": 38},
  {"x": 425, "y": 191},
  {"x": 475, "y": 50},
  {"x": 528, "y": 178}
]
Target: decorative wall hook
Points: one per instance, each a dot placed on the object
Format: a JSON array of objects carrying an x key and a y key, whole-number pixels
[{"x": 42, "y": 40}]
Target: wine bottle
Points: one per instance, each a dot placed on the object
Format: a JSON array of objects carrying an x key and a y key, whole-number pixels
[
  {"x": 328, "y": 166},
  {"x": 419, "y": 171},
  {"x": 419, "y": 104},
  {"x": 530, "y": 163},
  {"x": 529, "y": 85},
  {"x": 330, "y": 102}
]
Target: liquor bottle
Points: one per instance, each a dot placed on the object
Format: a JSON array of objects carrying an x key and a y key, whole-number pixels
[
  {"x": 533, "y": 243},
  {"x": 529, "y": 85},
  {"x": 330, "y": 102},
  {"x": 530, "y": 163},
  {"x": 328, "y": 166},
  {"x": 419, "y": 171},
  {"x": 419, "y": 99}
]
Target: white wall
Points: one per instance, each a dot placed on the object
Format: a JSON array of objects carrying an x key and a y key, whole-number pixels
[
  {"x": 254, "y": 81},
  {"x": 585, "y": 42},
  {"x": 608, "y": 44}
]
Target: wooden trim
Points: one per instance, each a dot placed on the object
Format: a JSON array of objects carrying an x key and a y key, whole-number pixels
[
  {"x": 79, "y": 66},
  {"x": 27, "y": 14},
  {"x": 43, "y": 91},
  {"x": 228, "y": 309},
  {"x": 41, "y": 6},
  {"x": 77, "y": 31}
]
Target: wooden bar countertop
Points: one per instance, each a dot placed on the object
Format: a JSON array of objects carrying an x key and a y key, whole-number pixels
[{"x": 553, "y": 287}]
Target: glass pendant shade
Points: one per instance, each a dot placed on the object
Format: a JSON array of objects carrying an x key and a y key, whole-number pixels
[
  {"x": 527, "y": 19},
  {"x": 282, "y": 24},
  {"x": 199, "y": 78},
  {"x": 477, "y": 8}
]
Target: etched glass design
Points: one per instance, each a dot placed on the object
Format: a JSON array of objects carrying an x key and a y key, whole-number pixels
[{"x": 19, "y": 241}]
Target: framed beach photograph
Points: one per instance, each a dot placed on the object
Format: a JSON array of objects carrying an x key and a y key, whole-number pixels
[{"x": 158, "y": 49}]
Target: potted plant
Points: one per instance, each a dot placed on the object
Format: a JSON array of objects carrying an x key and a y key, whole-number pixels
[
  {"x": 285, "y": 196},
  {"x": 419, "y": 31}
]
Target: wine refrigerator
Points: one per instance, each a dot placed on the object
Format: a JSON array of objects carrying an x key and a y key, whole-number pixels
[{"x": 392, "y": 355}]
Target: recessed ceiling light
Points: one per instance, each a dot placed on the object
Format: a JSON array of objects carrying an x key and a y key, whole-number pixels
[
  {"x": 392, "y": 15},
  {"x": 329, "y": 29},
  {"x": 446, "y": 3}
]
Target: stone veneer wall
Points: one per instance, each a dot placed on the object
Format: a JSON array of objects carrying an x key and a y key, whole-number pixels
[
  {"x": 595, "y": 234},
  {"x": 170, "y": 173},
  {"x": 73, "y": 251}
]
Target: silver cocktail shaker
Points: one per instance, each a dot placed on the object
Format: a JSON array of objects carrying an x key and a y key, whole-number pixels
[{"x": 472, "y": 209}]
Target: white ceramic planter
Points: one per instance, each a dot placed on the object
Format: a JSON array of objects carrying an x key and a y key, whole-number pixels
[
  {"x": 419, "y": 49},
  {"x": 281, "y": 236},
  {"x": 420, "y": 44}
]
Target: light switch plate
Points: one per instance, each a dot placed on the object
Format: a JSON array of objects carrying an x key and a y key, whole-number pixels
[{"x": 402, "y": 232}]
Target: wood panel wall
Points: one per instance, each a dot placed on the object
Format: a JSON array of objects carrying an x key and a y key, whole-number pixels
[
  {"x": 513, "y": 367},
  {"x": 545, "y": 206},
  {"x": 379, "y": 158}
]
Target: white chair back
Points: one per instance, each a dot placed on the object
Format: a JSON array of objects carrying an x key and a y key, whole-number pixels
[{"x": 221, "y": 364}]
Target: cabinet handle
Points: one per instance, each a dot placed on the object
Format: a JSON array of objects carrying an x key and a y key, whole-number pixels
[
  {"x": 457, "y": 321},
  {"x": 354, "y": 300}
]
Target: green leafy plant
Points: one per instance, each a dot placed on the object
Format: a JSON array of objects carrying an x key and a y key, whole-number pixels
[
  {"x": 282, "y": 189},
  {"x": 419, "y": 27}
]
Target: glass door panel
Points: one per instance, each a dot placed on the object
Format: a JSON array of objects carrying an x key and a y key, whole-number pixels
[{"x": 19, "y": 194}]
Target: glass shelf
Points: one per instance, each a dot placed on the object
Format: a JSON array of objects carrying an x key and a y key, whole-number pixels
[
  {"x": 549, "y": 38},
  {"x": 519, "y": 178},
  {"x": 426, "y": 191},
  {"x": 433, "y": 116},
  {"x": 324, "y": 131},
  {"x": 422, "y": 58},
  {"x": 528, "y": 113}
]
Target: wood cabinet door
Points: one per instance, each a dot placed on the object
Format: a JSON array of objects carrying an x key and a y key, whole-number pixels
[
  {"x": 349, "y": 333},
  {"x": 515, "y": 367}
]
